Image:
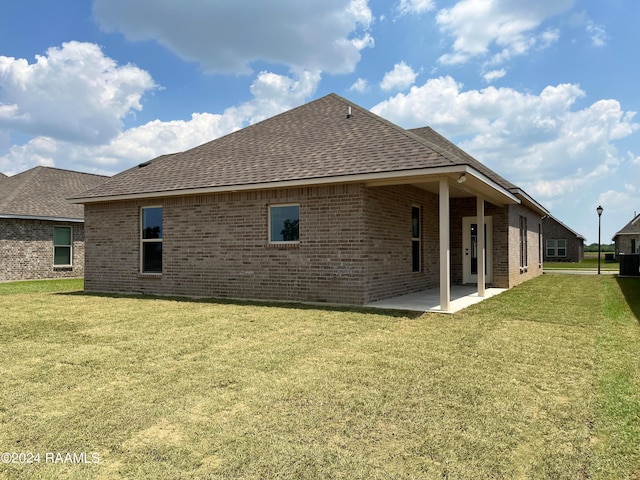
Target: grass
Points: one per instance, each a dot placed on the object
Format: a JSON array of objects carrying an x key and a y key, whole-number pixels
[
  {"x": 541, "y": 381},
  {"x": 590, "y": 262},
  {"x": 41, "y": 286}
]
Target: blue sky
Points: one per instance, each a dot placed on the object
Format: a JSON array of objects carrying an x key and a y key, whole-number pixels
[{"x": 544, "y": 92}]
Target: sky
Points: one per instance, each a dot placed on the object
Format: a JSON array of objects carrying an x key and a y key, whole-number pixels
[{"x": 544, "y": 92}]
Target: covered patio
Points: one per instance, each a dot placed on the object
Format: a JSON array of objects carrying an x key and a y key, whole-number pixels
[{"x": 462, "y": 296}]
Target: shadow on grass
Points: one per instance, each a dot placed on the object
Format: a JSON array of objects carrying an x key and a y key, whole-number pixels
[
  {"x": 253, "y": 303},
  {"x": 630, "y": 287}
]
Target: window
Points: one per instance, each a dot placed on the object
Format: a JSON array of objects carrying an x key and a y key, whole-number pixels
[
  {"x": 562, "y": 248},
  {"x": 415, "y": 238},
  {"x": 151, "y": 240},
  {"x": 540, "y": 243},
  {"x": 62, "y": 246},
  {"x": 556, "y": 248},
  {"x": 284, "y": 224},
  {"x": 523, "y": 244}
]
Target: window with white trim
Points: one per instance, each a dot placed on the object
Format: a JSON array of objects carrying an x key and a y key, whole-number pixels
[
  {"x": 151, "y": 240},
  {"x": 556, "y": 248},
  {"x": 284, "y": 224},
  {"x": 62, "y": 246}
]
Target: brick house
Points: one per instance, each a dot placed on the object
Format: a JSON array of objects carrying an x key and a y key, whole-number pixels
[
  {"x": 561, "y": 244},
  {"x": 41, "y": 234},
  {"x": 324, "y": 203},
  {"x": 627, "y": 240}
]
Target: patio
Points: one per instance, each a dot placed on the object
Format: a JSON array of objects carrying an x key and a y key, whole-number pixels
[{"x": 462, "y": 296}]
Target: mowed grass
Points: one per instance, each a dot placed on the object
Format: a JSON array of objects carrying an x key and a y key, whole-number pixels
[
  {"x": 541, "y": 381},
  {"x": 590, "y": 262}
]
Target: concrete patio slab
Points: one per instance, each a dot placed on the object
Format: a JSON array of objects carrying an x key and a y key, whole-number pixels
[{"x": 462, "y": 296}]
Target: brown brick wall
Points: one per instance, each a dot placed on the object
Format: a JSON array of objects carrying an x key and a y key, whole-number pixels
[
  {"x": 355, "y": 245},
  {"x": 534, "y": 268},
  {"x": 217, "y": 246},
  {"x": 389, "y": 241},
  {"x": 26, "y": 250},
  {"x": 624, "y": 243}
]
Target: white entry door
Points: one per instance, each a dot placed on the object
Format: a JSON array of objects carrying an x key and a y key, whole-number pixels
[{"x": 470, "y": 249}]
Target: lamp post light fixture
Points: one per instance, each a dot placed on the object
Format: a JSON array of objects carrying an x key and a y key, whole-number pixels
[{"x": 599, "y": 210}]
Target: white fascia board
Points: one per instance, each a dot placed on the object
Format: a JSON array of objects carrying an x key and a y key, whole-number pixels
[
  {"x": 359, "y": 178},
  {"x": 37, "y": 217},
  {"x": 532, "y": 203}
]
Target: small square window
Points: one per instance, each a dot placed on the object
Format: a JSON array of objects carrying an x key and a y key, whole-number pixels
[{"x": 284, "y": 224}]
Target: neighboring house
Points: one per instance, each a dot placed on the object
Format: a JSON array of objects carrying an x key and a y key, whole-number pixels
[
  {"x": 627, "y": 240},
  {"x": 324, "y": 203},
  {"x": 41, "y": 234},
  {"x": 561, "y": 244}
]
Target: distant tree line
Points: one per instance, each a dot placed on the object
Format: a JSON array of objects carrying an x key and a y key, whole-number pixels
[{"x": 611, "y": 247}]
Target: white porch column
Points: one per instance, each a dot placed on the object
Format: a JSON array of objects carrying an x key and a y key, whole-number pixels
[
  {"x": 445, "y": 273},
  {"x": 482, "y": 280}
]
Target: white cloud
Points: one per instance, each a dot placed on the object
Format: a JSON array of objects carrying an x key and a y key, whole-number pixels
[
  {"x": 478, "y": 26},
  {"x": 533, "y": 140},
  {"x": 598, "y": 34},
  {"x": 415, "y": 6},
  {"x": 228, "y": 35},
  {"x": 624, "y": 202},
  {"x": 360, "y": 86},
  {"x": 401, "y": 77},
  {"x": 272, "y": 94},
  {"x": 494, "y": 75},
  {"x": 76, "y": 83}
]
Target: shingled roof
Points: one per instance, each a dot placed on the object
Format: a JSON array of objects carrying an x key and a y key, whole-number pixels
[
  {"x": 326, "y": 140},
  {"x": 631, "y": 228},
  {"x": 41, "y": 192}
]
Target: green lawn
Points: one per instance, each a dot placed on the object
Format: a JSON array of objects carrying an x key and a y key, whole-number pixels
[
  {"x": 590, "y": 262},
  {"x": 540, "y": 382}
]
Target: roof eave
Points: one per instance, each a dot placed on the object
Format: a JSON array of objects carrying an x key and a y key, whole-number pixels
[
  {"x": 497, "y": 193},
  {"x": 530, "y": 202},
  {"x": 40, "y": 217}
]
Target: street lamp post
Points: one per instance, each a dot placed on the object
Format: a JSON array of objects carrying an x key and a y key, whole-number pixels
[{"x": 599, "y": 210}]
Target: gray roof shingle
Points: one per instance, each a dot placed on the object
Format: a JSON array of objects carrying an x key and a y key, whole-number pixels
[
  {"x": 42, "y": 192},
  {"x": 313, "y": 141},
  {"x": 631, "y": 228}
]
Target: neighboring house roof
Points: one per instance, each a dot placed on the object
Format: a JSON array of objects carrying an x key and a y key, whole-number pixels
[
  {"x": 578, "y": 236},
  {"x": 2, "y": 175},
  {"x": 329, "y": 140},
  {"x": 41, "y": 192},
  {"x": 631, "y": 228}
]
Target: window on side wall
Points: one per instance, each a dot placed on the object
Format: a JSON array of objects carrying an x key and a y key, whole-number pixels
[
  {"x": 415, "y": 239},
  {"x": 62, "y": 246},
  {"x": 523, "y": 244},
  {"x": 151, "y": 240},
  {"x": 284, "y": 224}
]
